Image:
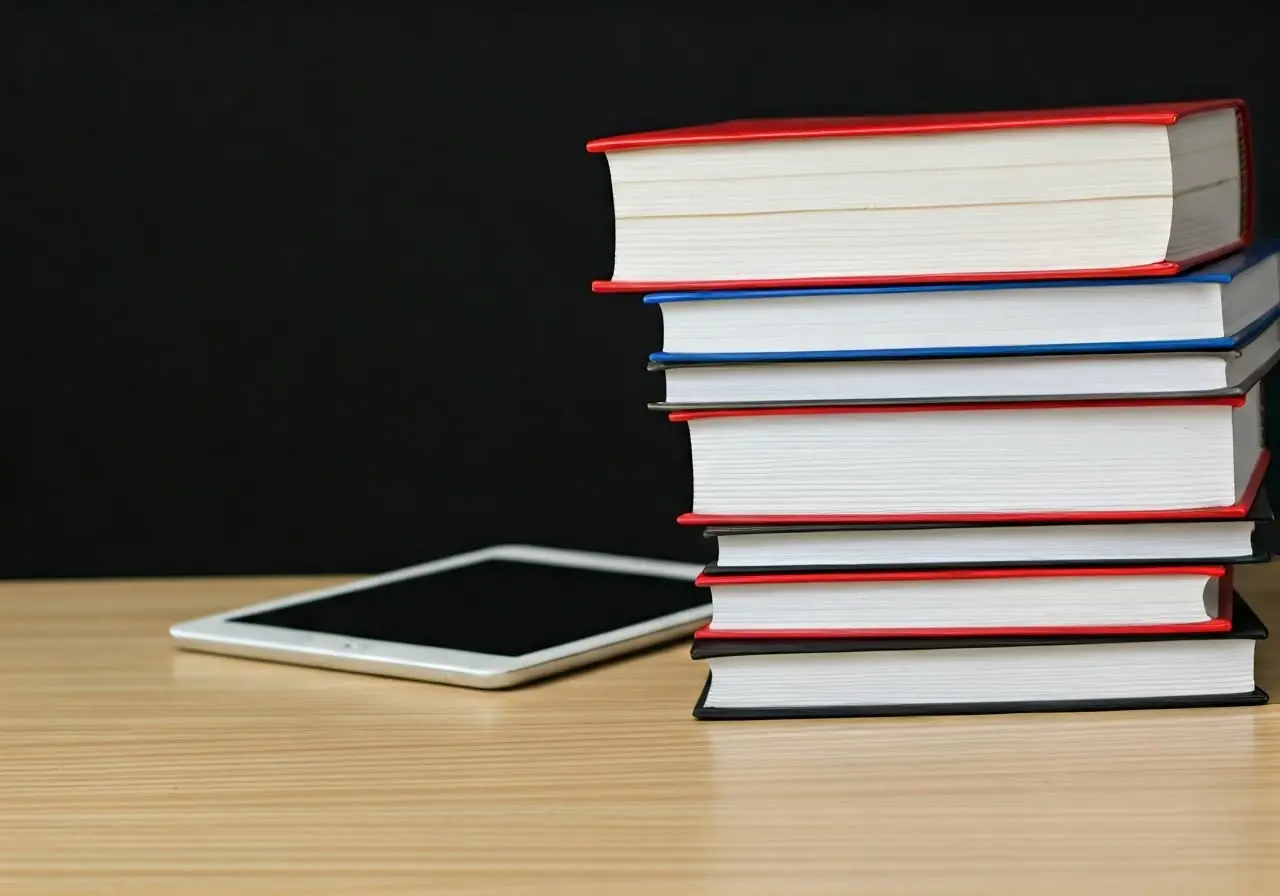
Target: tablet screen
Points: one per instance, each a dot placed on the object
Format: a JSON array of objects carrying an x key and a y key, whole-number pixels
[{"x": 498, "y": 607}]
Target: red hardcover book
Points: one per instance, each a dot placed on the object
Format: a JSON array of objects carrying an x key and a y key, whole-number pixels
[
  {"x": 1220, "y": 622},
  {"x": 1163, "y": 115},
  {"x": 705, "y": 452}
]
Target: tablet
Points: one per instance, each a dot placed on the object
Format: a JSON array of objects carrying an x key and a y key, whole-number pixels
[{"x": 491, "y": 618}]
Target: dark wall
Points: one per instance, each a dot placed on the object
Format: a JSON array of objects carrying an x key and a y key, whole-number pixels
[{"x": 309, "y": 292}]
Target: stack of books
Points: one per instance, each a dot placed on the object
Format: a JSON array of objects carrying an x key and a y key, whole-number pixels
[{"x": 974, "y": 402}]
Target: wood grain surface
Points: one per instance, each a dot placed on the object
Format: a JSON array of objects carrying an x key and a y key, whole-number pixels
[{"x": 129, "y": 767}]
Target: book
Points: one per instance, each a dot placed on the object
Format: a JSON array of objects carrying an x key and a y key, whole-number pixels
[
  {"x": 761, "y": 678},
  {"x": 1211, "y": 309},
  {"x": 972, "y": 377},
  {"x": 1105, "y": 191},
  {"x": 746, "y": 550},
  {"x": 960, "y": 602},
  {"x": 1032, "y": 460}
]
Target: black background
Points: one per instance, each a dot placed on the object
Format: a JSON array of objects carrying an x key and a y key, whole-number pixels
[{"x": 308, "y": 291}]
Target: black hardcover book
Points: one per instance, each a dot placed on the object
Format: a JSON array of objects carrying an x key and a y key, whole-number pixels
[
  {"x": 1246, "y": 382},
  {"x": 768, "y": 678}
]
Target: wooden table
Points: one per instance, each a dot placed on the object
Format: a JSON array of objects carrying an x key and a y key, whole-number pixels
[{"x": 127, "y": 767}]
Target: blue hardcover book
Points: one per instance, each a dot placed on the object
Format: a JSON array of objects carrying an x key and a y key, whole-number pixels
[{"x": 1218, "y": 308}]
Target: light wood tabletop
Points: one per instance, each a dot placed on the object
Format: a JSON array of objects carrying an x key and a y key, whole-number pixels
[{"x": 129, "y": 767}]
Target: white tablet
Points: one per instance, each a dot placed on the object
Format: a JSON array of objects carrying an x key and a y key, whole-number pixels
[{"x": 491, "y": 618}]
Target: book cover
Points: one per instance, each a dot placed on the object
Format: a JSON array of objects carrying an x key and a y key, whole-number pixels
[{"x": 745, "y": 130}]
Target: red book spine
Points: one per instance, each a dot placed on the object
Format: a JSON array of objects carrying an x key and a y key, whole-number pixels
[{"x": 1245, "y": 132}]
